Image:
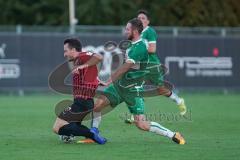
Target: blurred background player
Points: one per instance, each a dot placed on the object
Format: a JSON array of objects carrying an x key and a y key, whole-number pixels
[
  {"x": 156, "y": 73},
  {"x": 126, "y": 83},
  {"x": 85, "y": 82}
]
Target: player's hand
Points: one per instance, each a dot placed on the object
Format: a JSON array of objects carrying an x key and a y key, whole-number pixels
[
  {"x": 101, "y": 83},
  {"x": 82, "y": 66},
  {"x": 75, "y": 71}
]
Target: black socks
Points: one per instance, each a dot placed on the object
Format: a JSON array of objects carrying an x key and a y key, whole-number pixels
[{"x": 76, "y": 130}]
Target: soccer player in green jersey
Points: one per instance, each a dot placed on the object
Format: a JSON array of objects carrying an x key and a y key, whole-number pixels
[
  {"x": 156, "y": 76},
  {"x": 126, "y": 83}
]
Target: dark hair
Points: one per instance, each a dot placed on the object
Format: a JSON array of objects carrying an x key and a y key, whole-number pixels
[
  {"x": 136, "y": 24},
  {"x": 74, "y": 43},
  {"x": 142, "y": 11}
]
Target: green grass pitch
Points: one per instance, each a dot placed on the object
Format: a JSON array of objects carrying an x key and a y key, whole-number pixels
[{"x": 211, "y": 130}]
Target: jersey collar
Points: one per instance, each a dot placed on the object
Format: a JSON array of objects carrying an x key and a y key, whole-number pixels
[
  {"x": 140, "y": 39},
  {"x": 145, "y": 29}
]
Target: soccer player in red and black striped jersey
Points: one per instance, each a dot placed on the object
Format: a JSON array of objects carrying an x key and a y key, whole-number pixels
[{"x": 85, "y": 83}]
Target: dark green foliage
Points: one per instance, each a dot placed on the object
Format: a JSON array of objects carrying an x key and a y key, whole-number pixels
[{"x": 111, "y": 12}]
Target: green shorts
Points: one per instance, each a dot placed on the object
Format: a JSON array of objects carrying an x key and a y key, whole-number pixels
[
  {"x": 155, "y": 75},
  {"x": 155, "y": 79},
  {"x": 117, "y": 95}
]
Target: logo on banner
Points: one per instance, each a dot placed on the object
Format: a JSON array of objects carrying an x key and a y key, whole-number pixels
[
  {"x": 9, "y": 68},
  {"x": 202, "y": 66}
]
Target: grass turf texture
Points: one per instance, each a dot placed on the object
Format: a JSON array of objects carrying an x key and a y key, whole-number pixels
[{"x": 211, "y": 133}]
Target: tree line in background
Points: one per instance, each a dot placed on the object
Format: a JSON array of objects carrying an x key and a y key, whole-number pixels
[{"x": 118, "y": 12}]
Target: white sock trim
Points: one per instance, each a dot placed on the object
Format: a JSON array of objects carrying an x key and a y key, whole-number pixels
[
  {"x": 175, "y": 98},
  {"x": 159, "y": 129},
  {"x": 96, "y": 120}
]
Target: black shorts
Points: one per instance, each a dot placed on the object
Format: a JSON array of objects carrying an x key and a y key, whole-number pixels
[{"x": 78, "y": 110}]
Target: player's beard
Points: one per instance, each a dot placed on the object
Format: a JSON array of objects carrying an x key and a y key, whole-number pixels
[
  {"x": 70, "y": 59},
  {"x": 130, "y": 37}
]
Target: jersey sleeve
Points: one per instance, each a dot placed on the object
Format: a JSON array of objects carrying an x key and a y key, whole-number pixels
[
  {"x": 152, "y": 36},
  {"x": 137, "y": 54},
  {"x": 85, "y": 56},
  {"x": 90, "y": 73}
]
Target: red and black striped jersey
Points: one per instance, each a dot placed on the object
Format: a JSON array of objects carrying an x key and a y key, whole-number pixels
[{"x": 85, "y": 81}]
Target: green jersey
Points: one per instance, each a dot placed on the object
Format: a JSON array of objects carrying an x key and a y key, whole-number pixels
[
  {"x": 150, "y": 35},
  {"x": 128, "y": 88},
  {"x": 138, "y": 54}
]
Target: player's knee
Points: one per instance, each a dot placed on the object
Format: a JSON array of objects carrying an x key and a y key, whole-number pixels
[
  {"x": 55, "y": 129},
  {"x": 58, "y": 124},
  {"x": 97, "y": 109}
]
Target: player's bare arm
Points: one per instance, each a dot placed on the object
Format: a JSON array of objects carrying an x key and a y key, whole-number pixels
[
  {"x": 151, "y": 48},
  {"x": 120, "y": 71}
]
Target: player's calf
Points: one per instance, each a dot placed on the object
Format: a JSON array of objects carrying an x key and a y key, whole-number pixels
[
  {"x": 141, "y": 122},
  {"x": 101, "y": 102},
  {"x": 162, "y": 90}
]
